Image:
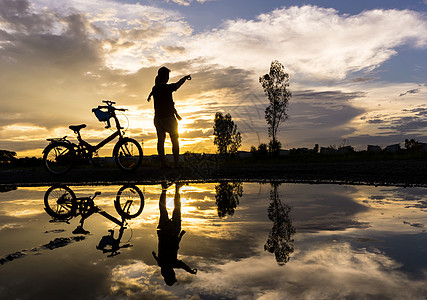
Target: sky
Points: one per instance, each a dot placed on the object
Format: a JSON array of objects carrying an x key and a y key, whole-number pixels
[{"x": 358, "y": 69}]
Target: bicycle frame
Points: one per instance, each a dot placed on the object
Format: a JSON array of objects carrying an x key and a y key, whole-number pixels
[
  {"x": 100, "y": 144},
  {"x": 111, "y": 218},
  {"x": 86, "y": 212}
]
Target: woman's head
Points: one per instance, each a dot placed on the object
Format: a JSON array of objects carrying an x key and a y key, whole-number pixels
[
  {"x": 162, "y": 76},
  {"x": 168, "y": 274}
]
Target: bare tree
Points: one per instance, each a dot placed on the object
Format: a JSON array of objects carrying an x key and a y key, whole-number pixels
[{"x": 275, "y": 85}]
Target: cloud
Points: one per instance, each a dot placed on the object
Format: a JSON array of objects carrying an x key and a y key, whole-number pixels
[
  {"x": 419, "y": 111},
  {"x": 174, "y": 49},
  {"x": 44, "y": 68},
  {"x": 375, "y": 121},
  {"x": 132, "y": 35},
  {"x": 408, "y": 122},
  {"x": 413, "y": 91},
  {"x": 321, "y": 96},
  {"x": 312, "y": 41},
  {"x": 363, "y": 79},
  {"x": 17, "y": 16},
  {"x": 187, "y": 2},
  {"x": 323, "y": 122},
  {"x": 407, "y": 126}
]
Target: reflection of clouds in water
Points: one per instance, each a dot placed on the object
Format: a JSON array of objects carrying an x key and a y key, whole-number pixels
[
  {"x": 24, "y": 212},
  {"x": 22, "y": 208},
  {"x": 141, "y": 281},
  {"x": 327, "y": 272},
  {"x": 228, "y": 252},
  {"x": 414, "y": 194},
  {"x": 324, "y": 208},
  {"x": 336, "y": 271},
  {"x": 391, "y": 208},
  {"x": 199, "y": 212},
  {"x": 334, "y": 221},
  {"x": 135, "y": 278},
  {"x": 22, "y": 202},
  {"x": 399, "y": 194},
  {"x": 10, "y": 226}
]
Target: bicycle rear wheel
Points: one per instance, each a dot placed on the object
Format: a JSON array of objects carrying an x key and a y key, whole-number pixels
[
  {"x": 60, "y": 202},
  {"x": 129, "y": 201},
  {"x": 58, "y": 158},
  {"x": 128, "y": 154}
]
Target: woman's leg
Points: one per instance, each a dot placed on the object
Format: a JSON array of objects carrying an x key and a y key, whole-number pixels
[
  {"x": 161, "y": 136},
  {"x": 175, "y": 148}
]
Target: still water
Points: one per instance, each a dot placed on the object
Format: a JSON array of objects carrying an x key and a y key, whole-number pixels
[{"x": 246, "y": 241}]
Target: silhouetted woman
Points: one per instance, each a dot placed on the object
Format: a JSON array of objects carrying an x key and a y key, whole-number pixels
[{"x": 165, "y": 114}]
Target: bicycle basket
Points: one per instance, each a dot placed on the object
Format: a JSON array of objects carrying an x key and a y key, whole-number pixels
[{"x": 101, "y": 115}]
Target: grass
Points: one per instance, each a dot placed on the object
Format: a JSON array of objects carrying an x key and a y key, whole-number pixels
[
  {"x": 362, "y": 156},
  {"x": 255, "y": 159}
]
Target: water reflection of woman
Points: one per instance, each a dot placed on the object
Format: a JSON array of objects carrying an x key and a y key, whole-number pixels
[{"x": 170, "y": 234}]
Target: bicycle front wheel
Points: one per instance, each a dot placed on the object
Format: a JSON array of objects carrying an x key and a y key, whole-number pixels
[
  {"x": 128, "y": 154},
  {"x": 58, "y": 158},
  {"x": 60, "y": 202},
  {"x": 129, "y": 201}
]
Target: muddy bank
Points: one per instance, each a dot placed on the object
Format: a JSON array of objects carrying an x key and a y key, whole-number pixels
[{"x": 393, "y": 172}]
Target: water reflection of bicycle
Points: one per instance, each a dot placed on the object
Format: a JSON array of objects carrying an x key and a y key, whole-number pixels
[
  {"x": 62, "y": 205},
  {"x": 61, "y": 155}
]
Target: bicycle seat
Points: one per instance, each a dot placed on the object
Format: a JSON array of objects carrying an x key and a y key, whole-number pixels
[{"x": 76, "y": 128}]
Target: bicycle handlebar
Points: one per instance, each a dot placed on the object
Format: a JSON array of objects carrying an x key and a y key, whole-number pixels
[{"x": 112, "y": 107}]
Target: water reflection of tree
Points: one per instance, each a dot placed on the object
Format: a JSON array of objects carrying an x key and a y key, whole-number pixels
[
  {"x": 227, "y": 197},
  {"x": 280, "y": 241}
]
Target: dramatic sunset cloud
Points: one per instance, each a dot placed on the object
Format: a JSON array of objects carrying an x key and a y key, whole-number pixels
[{"x": 312, "y": 41}]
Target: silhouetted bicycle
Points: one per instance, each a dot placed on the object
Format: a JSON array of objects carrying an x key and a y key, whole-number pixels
[
  {"x": 62, "y": 205},
  {"x": 61, "y": 154},
  {"x": 61, "y": 202}
]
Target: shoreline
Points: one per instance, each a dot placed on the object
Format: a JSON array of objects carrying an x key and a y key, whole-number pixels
[{"x": 402, "y": 173}]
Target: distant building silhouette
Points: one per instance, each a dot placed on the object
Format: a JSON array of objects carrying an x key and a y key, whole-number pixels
[
  {"x": 345, "y": 149},
  {"x": 392, "y": 148},
  {"x": 374, "y": 148},
  {"x": 327, "y": 150}
]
